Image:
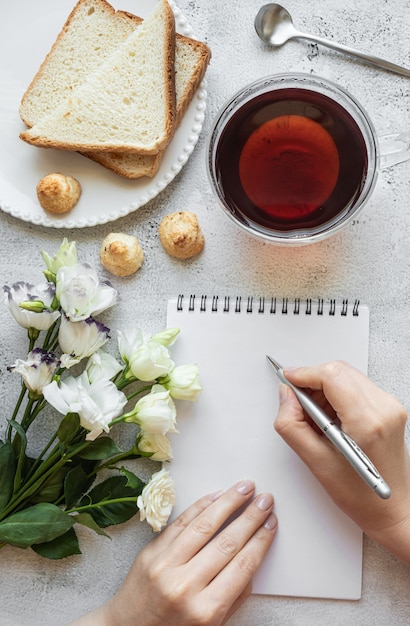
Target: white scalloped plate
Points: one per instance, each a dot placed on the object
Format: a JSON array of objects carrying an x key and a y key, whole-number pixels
[{"x": 26, "y": 35}]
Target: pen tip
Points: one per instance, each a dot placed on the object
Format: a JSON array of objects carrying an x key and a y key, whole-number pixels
[{"x": 273, "y": 362}]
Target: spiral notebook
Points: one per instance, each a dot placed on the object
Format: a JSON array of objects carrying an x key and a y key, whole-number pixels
[{"x": 228, "y": 434}]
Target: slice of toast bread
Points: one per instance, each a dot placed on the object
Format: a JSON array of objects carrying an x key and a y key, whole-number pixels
[
  {"x": 127, "y": 104},
  {"x": 91, "y": 33},
  {"x": 97, "y": 29},
  {"x": 191, "y": 60}
]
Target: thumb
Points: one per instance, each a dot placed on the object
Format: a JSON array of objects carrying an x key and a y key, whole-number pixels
[
  {"x": 295, "y": 430},
  {"x": 290, "y": 410}
]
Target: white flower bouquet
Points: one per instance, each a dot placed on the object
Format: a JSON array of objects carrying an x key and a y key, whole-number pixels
[{"x": 42, "y": 498}]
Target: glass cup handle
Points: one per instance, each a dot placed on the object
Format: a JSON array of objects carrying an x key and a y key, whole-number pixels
[{"x": 394, "y": 149}]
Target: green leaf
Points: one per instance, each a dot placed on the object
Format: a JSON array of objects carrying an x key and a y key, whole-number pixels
[
  {"x": 20, "y": 441},
  {"x": 36, "y": 524},
  {"x": 100, "y": 449},
  {"x": 69, "y": 426},
  {"x": 18, "y": 428},
  {"x": 75, "y": 485},
  {"x": 27, "y": 465},
  {"x": 132, "y": 480},
  {"x": 19, "y": 446},
  {"x": 87, "y": 520},
  {"x": 113, "y": 488},
  {"x": 8, "y": 464},
  {"x": 60, "y": 547},
  {"x": 52, "y": 488}
]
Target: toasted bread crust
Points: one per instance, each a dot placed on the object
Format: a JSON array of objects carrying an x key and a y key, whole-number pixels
[
  {"x": 169, "y": 77},
  {"x": 204, "y": 54}
]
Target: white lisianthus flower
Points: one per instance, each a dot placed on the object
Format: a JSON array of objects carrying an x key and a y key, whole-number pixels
[
  {"x": 102, "y": 365},
  {"x": 146, "y": 360},
  {"x": 80, "y": 292},
  {"x": 156, "y": 445},
  {"x": 38, "y": 370},
  {"x": 183, "y": 382},
  {"x": 66, "y": 256},
  {"x": 157, "y": 499},
  {"x": 155, "y": 413},
  {"x": 79, "y": 340},
  {"x": 166, "y": 337},
  {"x": 96, "y": 403},
  {"x": 41, "y": 296}
]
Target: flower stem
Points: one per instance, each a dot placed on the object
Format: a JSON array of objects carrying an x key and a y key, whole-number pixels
[
  {"x": 54, "y": 462},
  {"x": 137, "y": 392},
  {"x": 50, "y": 343},
  {"x": 16, "y": 410},
  {"x": 122, "y": 417},
  {"x": 98, "y": 505},
  {"x": 28, "y": 417},
  {"x": 123, "y": 381},
  {"x": 40, "y": 456},
  {"x": 116, "y": 459},
  {"x": 32, "y": 342}
]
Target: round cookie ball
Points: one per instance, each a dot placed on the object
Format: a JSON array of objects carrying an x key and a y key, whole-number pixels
[
  {"x": 58, "y": 193},
  {"x": 181, "y": 235},
  {"x": 121, "y": 254}
]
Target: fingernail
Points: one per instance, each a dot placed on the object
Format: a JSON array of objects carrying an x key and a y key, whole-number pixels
[
  {"x": 245, "y": 487},
  {"x": 264, "y": 501},
  {"x": 283, "y": 393},
  {"x": 271, "y": 522}
]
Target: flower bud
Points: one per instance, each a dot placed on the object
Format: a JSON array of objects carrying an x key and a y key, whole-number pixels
[
  {"x": 183, "y": 382},
  {"x": 66, "y": 256},
  {"x": 156, "y": 446},
  {"x": 155, "y": 412},
  {"x": 166, "y": 337}
]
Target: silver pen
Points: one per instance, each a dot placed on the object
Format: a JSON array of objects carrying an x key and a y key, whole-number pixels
[{"x": 345, "y": 444}]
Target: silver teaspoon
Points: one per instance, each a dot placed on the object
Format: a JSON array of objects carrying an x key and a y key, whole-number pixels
[{"x": 274, "y": 25}]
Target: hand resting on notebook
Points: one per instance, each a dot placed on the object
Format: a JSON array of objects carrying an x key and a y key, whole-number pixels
[
  {"x": 186, "y": 576},
  {"x": 376, "y": 421}
]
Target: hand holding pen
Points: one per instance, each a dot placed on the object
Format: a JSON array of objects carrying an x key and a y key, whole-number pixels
[
  {"x": 341, "y": 440},
  {"x": 376, "y": 421}
]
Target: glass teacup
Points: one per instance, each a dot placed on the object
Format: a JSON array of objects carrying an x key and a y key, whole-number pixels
[{"x": 292, "y": 158}]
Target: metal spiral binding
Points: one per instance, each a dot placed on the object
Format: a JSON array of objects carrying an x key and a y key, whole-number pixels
[{"x": 271, "y": 306}]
